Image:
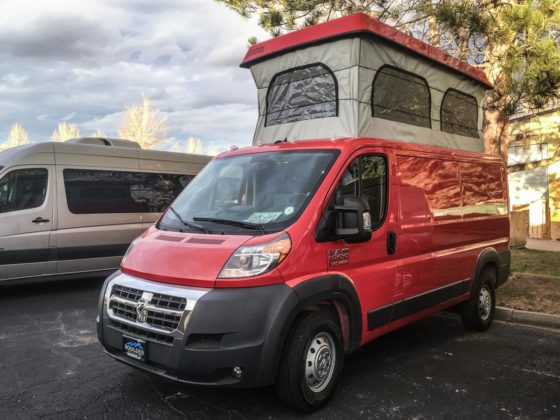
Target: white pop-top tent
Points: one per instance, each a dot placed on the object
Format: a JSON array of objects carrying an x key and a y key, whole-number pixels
[{"x": 357, "y": 77}]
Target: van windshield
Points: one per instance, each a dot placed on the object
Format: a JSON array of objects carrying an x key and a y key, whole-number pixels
[{"x": 260, "y": 193}]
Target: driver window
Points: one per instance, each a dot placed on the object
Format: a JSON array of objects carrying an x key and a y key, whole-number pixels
[
  {"x": 23, "y": 189},
  {"x": 365, "y": 177}
]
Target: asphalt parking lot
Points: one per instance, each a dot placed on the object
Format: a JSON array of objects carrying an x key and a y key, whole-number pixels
[{"x": 53, "y": 367}]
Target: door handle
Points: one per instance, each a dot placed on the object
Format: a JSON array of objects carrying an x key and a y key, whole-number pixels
[
  {"x": 391, "y": 242},
  {"x": 40, "y": 220}
]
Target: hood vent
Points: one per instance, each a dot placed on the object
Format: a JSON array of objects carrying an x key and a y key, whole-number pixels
[
  {"x": 205, "y": 241},
  {"x": 170, "y": 238}
]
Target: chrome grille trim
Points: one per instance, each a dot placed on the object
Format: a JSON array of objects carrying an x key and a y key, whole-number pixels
[{"x": 166, "y": 308}]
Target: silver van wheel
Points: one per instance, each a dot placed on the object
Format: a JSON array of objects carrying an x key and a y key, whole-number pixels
[
  {"x": 484, "y": 303},
  {"x": 319, "y": 361}
]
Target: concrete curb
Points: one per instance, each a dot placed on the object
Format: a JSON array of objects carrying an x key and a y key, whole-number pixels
[{"x": 526, "y": 317}]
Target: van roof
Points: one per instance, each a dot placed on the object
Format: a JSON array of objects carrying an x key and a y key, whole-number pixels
[
  {"x": 353, "y": 143},
  {"x": 45, "y": 153},
  {"x": 348, "y": 26}
]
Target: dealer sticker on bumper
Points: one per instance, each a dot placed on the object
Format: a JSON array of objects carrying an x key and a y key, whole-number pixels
[{"x": 135, "y": 348}]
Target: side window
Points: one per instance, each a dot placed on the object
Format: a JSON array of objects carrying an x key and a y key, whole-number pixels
[
  {"x": 302, "y": 93},
  {"x": 459, "y": 114},
  {"x": 401, "y": 96},
  {"x": 23, "y": 189},
  {"x": 365, "y": 177},
  {"x": 98, "y": 191}
]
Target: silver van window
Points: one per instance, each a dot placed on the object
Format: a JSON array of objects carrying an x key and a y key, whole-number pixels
[
  {"x": 23, "y": 189},
  {"x": 96, "y": 191}
]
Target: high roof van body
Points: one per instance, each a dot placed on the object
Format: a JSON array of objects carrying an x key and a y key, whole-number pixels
[
  {"x": 71, "y": 209},
  {"x": 280, "y": 258}
]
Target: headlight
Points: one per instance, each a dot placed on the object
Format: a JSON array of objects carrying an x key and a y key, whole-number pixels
[
  {"x": 134, "y": 242},
  {"x": 249, "y": 261}
]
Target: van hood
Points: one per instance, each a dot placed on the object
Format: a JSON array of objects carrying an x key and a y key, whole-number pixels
[{"x": 181, "y": 258}]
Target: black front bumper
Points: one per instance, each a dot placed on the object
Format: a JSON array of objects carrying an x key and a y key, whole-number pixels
[{"x": 228, "y": 328}]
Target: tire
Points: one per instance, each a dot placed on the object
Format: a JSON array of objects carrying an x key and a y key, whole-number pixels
[
  {"x": 311, "y": 362},
  {"x": 478, "y": 312}
]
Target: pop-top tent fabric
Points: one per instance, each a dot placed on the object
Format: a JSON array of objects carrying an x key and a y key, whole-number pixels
[{"x": 356, "y": 77}]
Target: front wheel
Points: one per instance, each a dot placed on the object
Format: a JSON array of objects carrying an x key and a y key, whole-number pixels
[
  {"x": 312, "y": 359},
  {"x": 477, "y": 313}
]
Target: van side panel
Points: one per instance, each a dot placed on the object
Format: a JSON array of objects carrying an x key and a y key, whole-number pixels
[
  {"x": 485, "y": 211},
  {"x": 88, "y": 242},
  {"x": 431, "y": 224}
]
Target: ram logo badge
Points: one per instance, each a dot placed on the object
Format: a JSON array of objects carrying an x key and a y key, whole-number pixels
[
  {"x": 142, "y": 307},
  {"x": 339, "y": 256}
]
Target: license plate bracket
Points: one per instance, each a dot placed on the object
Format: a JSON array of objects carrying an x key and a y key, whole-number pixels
[{"x": 135, "y": 348}]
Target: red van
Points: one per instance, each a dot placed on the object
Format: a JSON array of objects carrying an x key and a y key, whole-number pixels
[{"x": 279, "y": 259}]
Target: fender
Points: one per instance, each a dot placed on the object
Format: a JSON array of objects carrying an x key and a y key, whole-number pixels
[
  {"x": 309, "y": 292},
  {"x": 335, "y": 286},
  {"x": 500, "y": 259}
]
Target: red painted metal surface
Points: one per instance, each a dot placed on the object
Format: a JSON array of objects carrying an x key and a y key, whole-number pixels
[
  {"x": 352, "y": 24},
  {"x": 445, "y": 207}
]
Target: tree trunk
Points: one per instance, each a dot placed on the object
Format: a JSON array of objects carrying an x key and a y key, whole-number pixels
[{"x": 495, "y": 129}]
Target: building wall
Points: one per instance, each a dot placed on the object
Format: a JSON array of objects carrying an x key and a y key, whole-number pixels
[{"x": 532, "y": 140}]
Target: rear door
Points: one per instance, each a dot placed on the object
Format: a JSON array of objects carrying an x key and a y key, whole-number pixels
[
  {"x": 27, "y": 194},
  {"x": 370, "y": 265}
]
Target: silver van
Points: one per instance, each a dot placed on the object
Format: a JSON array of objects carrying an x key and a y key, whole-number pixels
[{"x": 72, "y": 209}]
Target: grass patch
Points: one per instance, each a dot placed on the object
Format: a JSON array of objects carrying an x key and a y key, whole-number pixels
[
  {"x": 535, "y": 282},
  {"x": 530, "y": 292},
  {"x": 536, "y": 262}
]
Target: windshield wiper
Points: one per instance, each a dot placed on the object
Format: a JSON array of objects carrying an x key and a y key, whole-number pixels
[
  {"x": 246, "y": 225},
  {"x": 188, "y": 224}
]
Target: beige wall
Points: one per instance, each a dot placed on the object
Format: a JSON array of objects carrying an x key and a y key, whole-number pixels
[{"x": 532, "y": 140}]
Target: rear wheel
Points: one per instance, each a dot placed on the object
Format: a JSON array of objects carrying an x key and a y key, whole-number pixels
[
  {"x": 312, "y": 359},
  {"x": 477, "y": 314}
]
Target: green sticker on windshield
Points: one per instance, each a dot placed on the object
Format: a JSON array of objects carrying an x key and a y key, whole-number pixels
[{"x": 264, "y": 217}]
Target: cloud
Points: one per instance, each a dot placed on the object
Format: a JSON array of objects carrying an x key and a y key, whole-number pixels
[{"x": 87, "y": 61}]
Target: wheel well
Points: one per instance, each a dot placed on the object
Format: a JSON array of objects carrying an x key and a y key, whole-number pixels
[
  {"x": 338, "y": 308},
  {"x": 490, "y": 265}
]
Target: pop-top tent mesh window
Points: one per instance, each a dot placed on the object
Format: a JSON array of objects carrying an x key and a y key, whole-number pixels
[
  {"x": 401, "y": 96},
  {"x": 459, "y": 114},
  {"x": 302, "y": 93}
]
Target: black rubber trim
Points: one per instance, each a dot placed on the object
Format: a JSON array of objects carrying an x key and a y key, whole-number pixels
[
  {"x": 504, "y": 269},
  {"x": 492, "y": 257},
  {"x": 24, "y": 256},
  {"x": 383, "y": 316},
  {"x": 334, "y": 286},
  {"x": 97, "y": 251}
]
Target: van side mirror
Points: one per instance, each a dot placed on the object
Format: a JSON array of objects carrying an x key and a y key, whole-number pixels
[{"x": 352, "y": 220}]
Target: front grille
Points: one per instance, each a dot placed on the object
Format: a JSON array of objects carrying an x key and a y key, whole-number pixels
[
  {"x": 168, "y": 322},
  {"x": 123, "y": 310},
  {"x": 127, "y": 292},
  {"x": 167, "y": 301},
  {"x": 145, "y": 312},
  {"x": 141, "y": 332}
]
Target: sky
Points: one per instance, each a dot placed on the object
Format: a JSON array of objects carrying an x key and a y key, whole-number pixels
[{"x": 83, "y": 62}]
